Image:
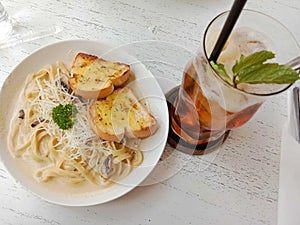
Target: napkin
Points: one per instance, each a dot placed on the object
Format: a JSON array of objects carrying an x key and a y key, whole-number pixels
[{"x": 289, "y": 178}]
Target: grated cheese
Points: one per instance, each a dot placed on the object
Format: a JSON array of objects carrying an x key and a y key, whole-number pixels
[{"x": 82, "y": 141}]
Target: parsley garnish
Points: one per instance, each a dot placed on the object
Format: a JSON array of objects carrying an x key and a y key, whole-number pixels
[
  {"x": 253, "y": 69},
  {"x": 63, "y": 115}
]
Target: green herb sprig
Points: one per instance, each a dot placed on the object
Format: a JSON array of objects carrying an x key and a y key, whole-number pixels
[
  {"x": 63, "y": 115},
  {"x": 253, "y": 69}
]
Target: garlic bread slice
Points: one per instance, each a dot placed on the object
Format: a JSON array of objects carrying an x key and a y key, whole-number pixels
[
  {"x": 93, "y": 77},
  {"x": 121, "y": 115}
]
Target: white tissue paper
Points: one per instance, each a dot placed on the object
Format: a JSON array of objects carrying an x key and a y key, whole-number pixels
[{"x": 289, "y": 179}]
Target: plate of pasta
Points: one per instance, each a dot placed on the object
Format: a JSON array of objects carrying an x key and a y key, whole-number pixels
[{"x": 69, "y": 146}]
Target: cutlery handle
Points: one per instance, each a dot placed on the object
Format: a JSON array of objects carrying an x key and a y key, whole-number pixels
[{"x": 296, "y": 101}]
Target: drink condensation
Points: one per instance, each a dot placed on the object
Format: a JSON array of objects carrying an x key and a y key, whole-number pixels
[{"x": 243, "y": 41}]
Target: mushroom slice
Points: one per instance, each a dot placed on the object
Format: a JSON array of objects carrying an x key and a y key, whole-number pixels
[{"x": 106, "y": 168}]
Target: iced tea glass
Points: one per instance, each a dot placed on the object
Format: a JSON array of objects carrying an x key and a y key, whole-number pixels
[{"x": 204, "y": 108}]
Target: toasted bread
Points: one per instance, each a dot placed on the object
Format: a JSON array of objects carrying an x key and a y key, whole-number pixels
[
  {"x": 93, "y": 77},
  {"x": 120, "y": 115}
]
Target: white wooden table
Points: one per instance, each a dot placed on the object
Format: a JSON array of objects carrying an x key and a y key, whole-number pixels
[{"x": 237, "y": 185}]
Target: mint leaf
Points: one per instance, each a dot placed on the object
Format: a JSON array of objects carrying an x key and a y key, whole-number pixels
[
  {"x": 269, "y": 73},
  {"x": 253, "y": 70},
  {"x": 220, "y": 69},
  {"x": 251, "y": 60}
]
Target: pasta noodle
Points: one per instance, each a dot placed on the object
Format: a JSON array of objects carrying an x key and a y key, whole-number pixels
[{"x": 75, "y": 155}]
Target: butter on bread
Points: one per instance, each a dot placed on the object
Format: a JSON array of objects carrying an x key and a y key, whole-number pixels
[
  {"x": 94, "y": 77},
  {"x": 121, "y": 115}
]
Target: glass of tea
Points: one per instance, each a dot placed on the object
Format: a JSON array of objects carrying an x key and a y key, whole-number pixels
[{"x": 205, "y": 107}]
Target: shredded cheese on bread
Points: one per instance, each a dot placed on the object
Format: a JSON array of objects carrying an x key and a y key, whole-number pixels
[{"x": 93, "y": 77}]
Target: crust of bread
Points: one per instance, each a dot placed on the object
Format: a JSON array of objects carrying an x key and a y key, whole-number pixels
[
  {"x": 132, "y": 128},
  {"x": 145, "y": 131},
  {"x": 83, "y": 62}
]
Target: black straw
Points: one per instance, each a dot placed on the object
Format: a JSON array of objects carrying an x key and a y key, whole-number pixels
[{"x": 234, "y": 13}]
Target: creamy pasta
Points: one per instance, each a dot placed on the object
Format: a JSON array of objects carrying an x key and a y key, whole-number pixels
[{"x": 75, "y": 155}]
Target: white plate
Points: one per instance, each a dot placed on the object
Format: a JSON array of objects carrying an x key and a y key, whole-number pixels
[{"x": 145, "y": 85}]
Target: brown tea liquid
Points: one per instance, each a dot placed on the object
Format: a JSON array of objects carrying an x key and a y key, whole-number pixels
[{"x": 196, "y": 122}]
